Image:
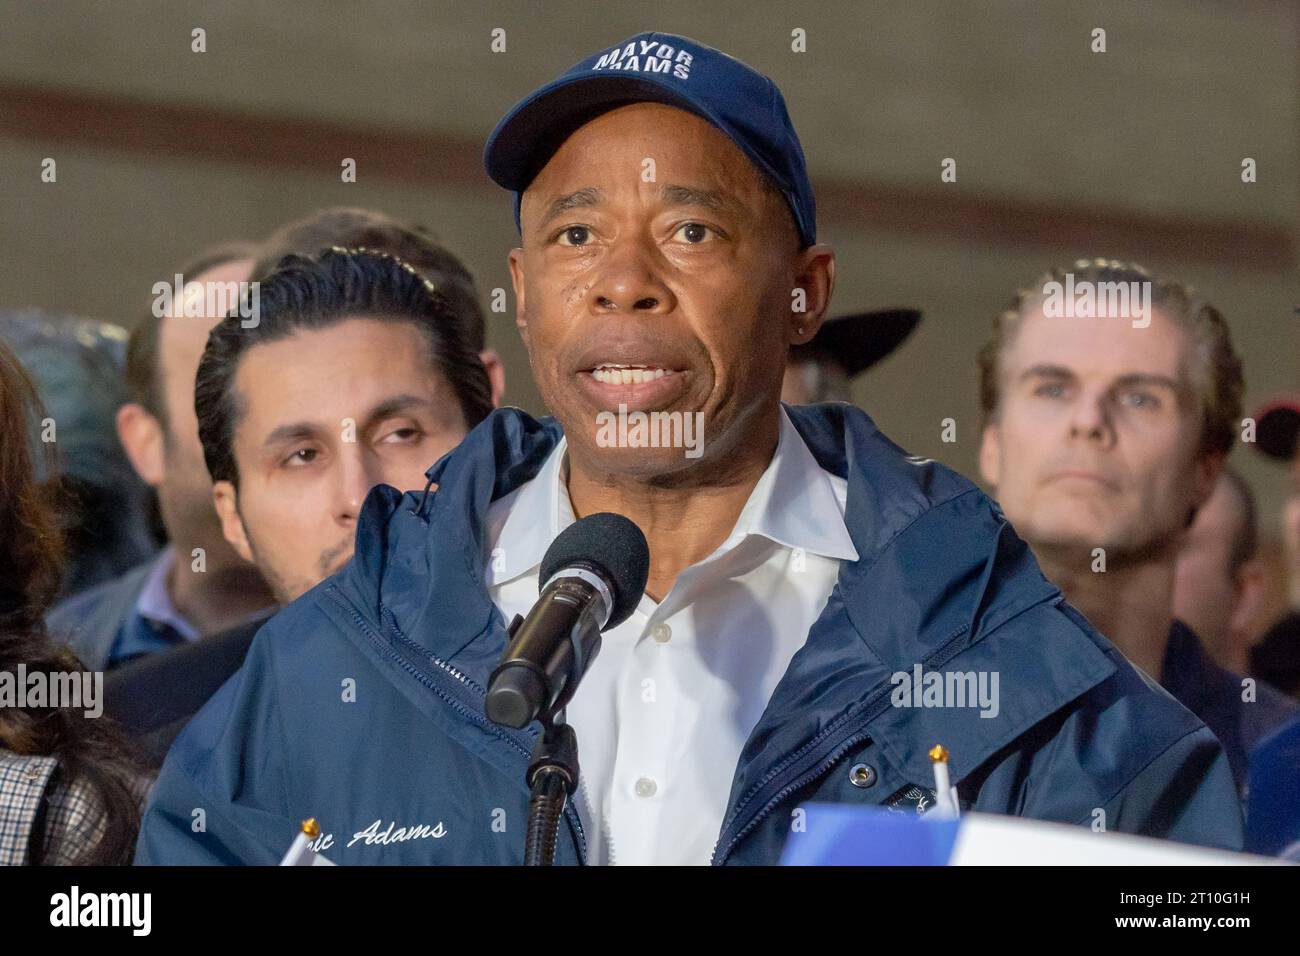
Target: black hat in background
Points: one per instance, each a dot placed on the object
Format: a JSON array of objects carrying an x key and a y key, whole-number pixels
[
  {"x": 858, "y": 341},
  {"x": 1277, "y": 427}
]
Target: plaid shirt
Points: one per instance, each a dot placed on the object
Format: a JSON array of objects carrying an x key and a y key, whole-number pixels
[{"x": 44, "y": 817}]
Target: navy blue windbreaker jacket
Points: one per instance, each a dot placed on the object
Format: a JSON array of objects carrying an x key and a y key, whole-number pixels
[{"x": 361, "y": 704}]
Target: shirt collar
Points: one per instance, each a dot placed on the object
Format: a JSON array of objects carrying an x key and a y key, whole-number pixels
[
  {"x": 154, "y": 603},
  {"x": 522, "y": 525},
  {"x": 795, "y": 503}
]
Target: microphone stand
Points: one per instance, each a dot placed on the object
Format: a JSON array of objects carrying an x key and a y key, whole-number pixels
[{"x": 552, "y": 776}]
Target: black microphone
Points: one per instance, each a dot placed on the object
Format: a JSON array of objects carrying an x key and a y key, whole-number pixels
[{"x": 591, "y": 579}]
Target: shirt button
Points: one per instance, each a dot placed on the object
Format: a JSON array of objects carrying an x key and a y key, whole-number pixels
[
  {"x": 645, "y": 787},
  {"x": 662, "y": 633}
]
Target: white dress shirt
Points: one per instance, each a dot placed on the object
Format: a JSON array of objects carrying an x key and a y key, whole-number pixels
[{"x": 666, "y": 707}]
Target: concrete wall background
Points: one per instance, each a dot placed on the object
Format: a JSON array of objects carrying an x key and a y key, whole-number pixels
[{"x": 1061, "y": 152}]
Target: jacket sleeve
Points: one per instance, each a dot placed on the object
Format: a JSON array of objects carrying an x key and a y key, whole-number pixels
[
  {"x": 220, "y": 798},
  {"x": 1185, "y": 794}
]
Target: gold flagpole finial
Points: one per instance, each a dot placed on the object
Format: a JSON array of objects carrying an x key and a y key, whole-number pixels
[
  {"x": 310, "y": 828},
  {"x": 939, "y": 753}
]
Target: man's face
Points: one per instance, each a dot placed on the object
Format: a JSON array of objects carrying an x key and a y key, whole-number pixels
[
  {"x": 185, "y": 491},
  {"x": 1095, "y": 441},
  {"x": 323, "y": 417},
  {"x": 1205, "y": 588},
  {"x": 653, "y": 253}
]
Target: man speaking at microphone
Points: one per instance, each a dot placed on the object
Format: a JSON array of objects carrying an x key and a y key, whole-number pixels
[{"x": 803, "y": 569}]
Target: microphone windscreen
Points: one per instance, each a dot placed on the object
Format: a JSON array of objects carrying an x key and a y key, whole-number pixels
[{"x": 609, "y": 542}]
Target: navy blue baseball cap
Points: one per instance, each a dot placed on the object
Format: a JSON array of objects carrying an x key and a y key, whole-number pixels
[{"x": 657, "y": 68}]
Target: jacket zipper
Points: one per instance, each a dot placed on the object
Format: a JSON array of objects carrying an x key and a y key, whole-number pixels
[
  {"x": 783, "y": 788},
  {"x": 570, "y": 811},
  {"x": 826, "y": 758},
  {"x": 408, "y": 664}
]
